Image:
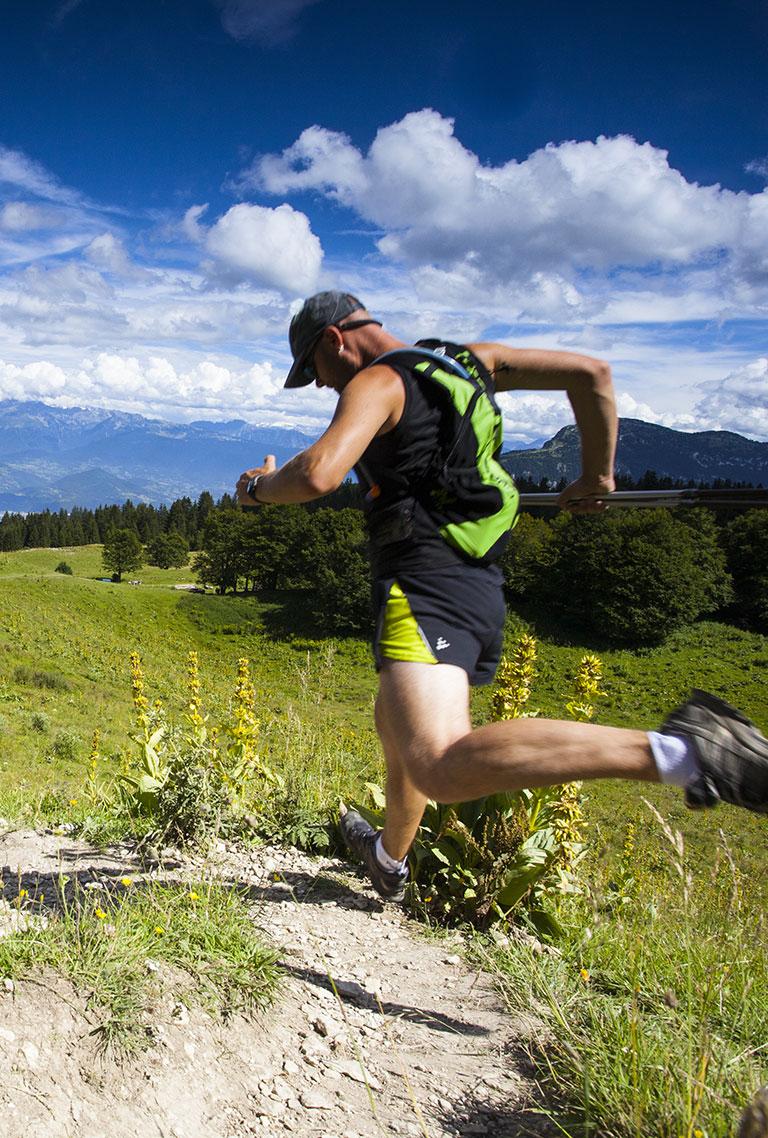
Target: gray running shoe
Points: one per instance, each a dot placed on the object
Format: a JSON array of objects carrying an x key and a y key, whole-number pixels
[
  {"x": 732, "y": 753},
  {"x": 361, "y": 839}
]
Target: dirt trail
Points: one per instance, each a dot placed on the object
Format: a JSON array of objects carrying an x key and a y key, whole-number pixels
[{"x": 413, "y": 1041}]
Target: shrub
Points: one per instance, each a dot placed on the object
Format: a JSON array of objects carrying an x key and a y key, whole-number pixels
[
  {"x": 637, "y": 575},
  {"x": 188, "y": 783},
  {"x": 745, "y": 541},
  {"x": 64, "y": 567},
  {"x": 34, "y": 678},
  {"x": 39, "y": 721},
  {"x": 64, "y": 747}
]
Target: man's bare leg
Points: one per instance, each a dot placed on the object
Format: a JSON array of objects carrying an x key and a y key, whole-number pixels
[
  {"x": 422, "y": 709},
  {"x": 449, "y": 720}
]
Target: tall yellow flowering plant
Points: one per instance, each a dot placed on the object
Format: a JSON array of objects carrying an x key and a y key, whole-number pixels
[
  {"x": 193, "y": 778},
  {"x": 481, "y": 861}
]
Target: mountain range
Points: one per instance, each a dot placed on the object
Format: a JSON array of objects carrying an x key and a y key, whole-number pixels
[
  {"x": 699, "y": 455},
  {"x": 56, "y": 458}
]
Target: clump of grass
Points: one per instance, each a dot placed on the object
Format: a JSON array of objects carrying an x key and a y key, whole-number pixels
[
  {"x": 37, "y": 678},
  {"x": 110, "y": 946},
  {"x": 65, "y": 747},
  {"x": 654, "y": 1004},
  {"x": 40, "y": 722}
]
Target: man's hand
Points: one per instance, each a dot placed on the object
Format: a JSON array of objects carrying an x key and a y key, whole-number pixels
[
  {"x": 244, "y": 498},
  {"x": 586, "y": 495}
]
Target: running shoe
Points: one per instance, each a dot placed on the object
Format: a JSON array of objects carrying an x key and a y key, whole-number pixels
[
  {"x": 361, "y": 839},
  {"x": 732, "y": 753}
]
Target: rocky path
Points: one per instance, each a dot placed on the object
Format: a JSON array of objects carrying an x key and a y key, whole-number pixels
[{"x": 379, "y": 1029}]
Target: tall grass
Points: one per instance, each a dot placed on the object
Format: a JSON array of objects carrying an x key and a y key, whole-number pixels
[
  {"x": 654, "y": 1000},
  {"x": 110, "y": 946}
]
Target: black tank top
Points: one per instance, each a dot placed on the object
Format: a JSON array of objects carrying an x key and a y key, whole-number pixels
[{"x": 392, "y": 468}]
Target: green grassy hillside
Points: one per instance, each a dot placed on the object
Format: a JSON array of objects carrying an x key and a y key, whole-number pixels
[
  {"x": 64, "y": 672},
  {"x": 657, "y": 991}
]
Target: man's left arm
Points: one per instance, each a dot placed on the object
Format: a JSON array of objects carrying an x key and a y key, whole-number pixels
[
  {"x": 589, "y": 387},
  {"x": 371, "y": 401}
]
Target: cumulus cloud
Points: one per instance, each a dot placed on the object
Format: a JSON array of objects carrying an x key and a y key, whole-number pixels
[
  {"x": 268, "y": 21},
  {"x": 739, "y": 402},
  {"x": 275, "y": 247},
  {"x": 108, "y": 252},
  {"x": 179, "y": 387},
  {"x": 568, "y": 212},
  {"x": 146, "y": 384}
]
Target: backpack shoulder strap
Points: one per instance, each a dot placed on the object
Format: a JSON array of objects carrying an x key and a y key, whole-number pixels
[{"x": 418, "y": 354}]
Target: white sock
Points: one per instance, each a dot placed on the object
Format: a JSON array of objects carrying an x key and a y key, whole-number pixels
[
  {"x": 385, "y": 861},
  {"x": 675, "y": 758}
]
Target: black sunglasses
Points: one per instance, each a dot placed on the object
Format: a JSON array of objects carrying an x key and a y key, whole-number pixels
[{"x": 308, "y": 370}]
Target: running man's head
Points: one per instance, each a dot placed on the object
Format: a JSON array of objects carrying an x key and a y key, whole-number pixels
[{"x": 324, "y": 342}]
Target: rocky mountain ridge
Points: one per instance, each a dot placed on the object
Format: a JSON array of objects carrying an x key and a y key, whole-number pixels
[
  {"x": 56, "y": 458},
  {"x": 700, "y": 455}
]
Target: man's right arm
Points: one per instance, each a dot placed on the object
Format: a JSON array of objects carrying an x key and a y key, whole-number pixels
[
  {"x": 371, "y": 402},
  {"x": 588, "y": 385}
]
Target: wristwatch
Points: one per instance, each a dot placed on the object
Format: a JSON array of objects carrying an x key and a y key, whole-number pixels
[{"x": 251, "y": 485}]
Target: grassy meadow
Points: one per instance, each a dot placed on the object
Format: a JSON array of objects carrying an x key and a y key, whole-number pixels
[
  {"x": 654, "y": 998},
  {"x": 64, "y": 672}
]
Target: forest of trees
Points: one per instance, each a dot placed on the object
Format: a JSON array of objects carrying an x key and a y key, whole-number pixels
[{"x": 631, "y": 576}]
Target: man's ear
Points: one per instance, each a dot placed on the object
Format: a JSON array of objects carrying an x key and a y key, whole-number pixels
[{"x": 333, "y": 339}]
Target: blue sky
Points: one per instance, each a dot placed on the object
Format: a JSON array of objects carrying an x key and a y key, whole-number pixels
[{"x": 176, "y": 174}]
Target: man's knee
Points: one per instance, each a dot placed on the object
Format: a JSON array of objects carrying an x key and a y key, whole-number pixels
[{"x": 425, "y": 773}]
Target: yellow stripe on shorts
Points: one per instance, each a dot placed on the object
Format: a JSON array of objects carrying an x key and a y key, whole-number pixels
[{"x": 401, "y": 638}]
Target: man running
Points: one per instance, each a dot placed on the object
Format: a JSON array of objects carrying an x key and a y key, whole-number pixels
[{"x": 437, "y": 592}]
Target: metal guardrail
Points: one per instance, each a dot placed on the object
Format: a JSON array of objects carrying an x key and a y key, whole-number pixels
[{"x": 666, "y": 499}]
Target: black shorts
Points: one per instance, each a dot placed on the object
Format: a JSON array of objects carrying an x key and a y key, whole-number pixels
[{"x": 446, "y": 615}]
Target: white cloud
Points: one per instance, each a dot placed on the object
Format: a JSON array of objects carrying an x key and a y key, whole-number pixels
[
  {"x": 108, "y": 252},
  {"x": 21, "y": 217},
  {"x": 569, "y": 209},
  {"x": 146, "y": 384},
  {"x": 739, "y": 402},
  {"x": 271, "y": 21},
  {"x": 190, "y": 225},
  {"x": 21, "y": 172},
  {"x": 189, "y": 319},
  {"x": 275, "y": 247},
  {"x": 759, "y": 166}
]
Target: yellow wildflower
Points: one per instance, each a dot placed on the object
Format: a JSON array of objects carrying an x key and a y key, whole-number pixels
[
  {"x": 515, "y": 678},
  {"x": 100, "y": 914},
  {"x": 583, "y": 972},
  {"x": 194, "y": 896},
  {"x": 126, "y": 881},
  {"x": 159, "y": 930}
]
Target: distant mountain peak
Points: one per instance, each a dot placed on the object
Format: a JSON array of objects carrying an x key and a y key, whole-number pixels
[
  {"x": 699, "y": 455},
  {"x": 59, "y": 457}
]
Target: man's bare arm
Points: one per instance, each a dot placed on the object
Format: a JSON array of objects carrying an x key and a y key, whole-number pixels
[
  {"x": 588, "y": 385},
  {"x": 370, "y": 403}
]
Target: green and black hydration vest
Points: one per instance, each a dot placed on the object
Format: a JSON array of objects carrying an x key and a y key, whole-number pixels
[{"x": 434, "y": 490}]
